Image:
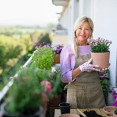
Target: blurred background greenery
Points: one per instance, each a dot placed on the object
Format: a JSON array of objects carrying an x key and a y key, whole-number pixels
[{"x": 16, "y": 42}]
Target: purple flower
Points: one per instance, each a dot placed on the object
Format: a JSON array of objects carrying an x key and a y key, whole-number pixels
[
  {"x": 99, "y": 45},
  {"x": 115, "y": 96},
  {"x": 35, "y": 43},
  {"x": 114, "y": 92},
  {"x": 59, "y": 47},
  {"x": 115, "y": 103}
]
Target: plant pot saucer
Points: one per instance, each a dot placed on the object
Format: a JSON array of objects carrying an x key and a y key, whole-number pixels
[
  {"x": 101, "y": 68},
  {"x": 108, "y": 110}
]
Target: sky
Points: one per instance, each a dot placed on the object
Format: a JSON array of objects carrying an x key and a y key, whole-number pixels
[{"x": 28, "y": 12}]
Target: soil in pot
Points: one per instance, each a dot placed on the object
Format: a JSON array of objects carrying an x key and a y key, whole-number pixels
[{"x": 91, "y": 114}]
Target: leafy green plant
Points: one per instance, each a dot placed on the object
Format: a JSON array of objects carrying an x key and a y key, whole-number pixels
[
  {"x": 105, "y": 83},
  {"x": 57, "y": 84},
  {"x": 43, "y": 57},
  {"x": 99, "y": 45}
]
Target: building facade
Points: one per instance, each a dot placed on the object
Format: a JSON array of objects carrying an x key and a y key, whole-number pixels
[{"x": 103, "y": 14}]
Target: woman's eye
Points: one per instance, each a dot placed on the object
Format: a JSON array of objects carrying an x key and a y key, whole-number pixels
[
  {"x": 79, "y": 28},
  {"x": 87, "y": 29}
]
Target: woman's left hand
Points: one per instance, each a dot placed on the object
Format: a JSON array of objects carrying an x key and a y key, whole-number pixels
[{"x": 102, "y": 72}]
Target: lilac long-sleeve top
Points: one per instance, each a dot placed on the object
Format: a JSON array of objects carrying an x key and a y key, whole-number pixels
[{"x": 67, "y": 61}]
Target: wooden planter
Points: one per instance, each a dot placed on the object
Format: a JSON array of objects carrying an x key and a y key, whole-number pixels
[
  {"x": 56, "y": 59},
  {"x": 101, "y": 59}
]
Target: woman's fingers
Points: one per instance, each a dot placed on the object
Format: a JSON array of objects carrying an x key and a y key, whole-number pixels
[
  {"x": 90, "y": 60},
  {"x": 96, "y": 66}
]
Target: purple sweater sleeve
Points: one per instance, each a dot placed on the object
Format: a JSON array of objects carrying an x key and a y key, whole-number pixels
[{"x": 67, "y": 62}]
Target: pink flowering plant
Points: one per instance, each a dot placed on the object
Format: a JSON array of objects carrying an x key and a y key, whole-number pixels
[
  {"x": 28, "y": 93},
  {"x": 114, "y": 93},
  {"x": 99, "y": 45},
  {"x": 47, "y": 90}
]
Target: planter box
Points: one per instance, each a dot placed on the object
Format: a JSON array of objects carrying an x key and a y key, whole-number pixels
[{"x": 56, "y": 59}]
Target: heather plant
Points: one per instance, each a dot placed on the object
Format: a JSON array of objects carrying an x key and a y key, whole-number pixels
[{"x": 99, "y": 45}]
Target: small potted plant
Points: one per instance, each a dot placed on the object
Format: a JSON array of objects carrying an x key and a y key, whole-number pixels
[
  {"x": 100, "y": 52},
  {"x": 57, "y": 50}
]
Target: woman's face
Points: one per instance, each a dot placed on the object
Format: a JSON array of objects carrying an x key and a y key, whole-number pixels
[{"x": 83, "y": 33}]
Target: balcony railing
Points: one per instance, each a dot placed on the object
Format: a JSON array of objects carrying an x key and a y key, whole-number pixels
[
  {"x": 9, "y": 84},
  {"x": 4, "y": 91}
]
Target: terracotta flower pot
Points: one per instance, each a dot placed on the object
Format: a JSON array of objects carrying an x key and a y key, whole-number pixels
[
  {"x": 109, "y": 110},
  {"x": 114, "y": 115},
  {"x": 101, "y": 59},
  {"x": 56, "y": 59}
]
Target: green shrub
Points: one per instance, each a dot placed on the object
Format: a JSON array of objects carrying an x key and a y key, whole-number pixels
[{"x": 45, "y": 37}]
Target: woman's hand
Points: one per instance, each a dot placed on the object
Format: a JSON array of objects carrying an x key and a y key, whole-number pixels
[
  {"x": 88, "y": 67},
  {"x": 102, "y": 72}
]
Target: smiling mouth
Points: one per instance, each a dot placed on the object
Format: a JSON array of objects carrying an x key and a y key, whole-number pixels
[{"x": 82, "y": 35}]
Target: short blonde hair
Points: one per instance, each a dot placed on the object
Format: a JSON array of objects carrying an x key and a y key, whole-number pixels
[{"x": 77, "y": 24}]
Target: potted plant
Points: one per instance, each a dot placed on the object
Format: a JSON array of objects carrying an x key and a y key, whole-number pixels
[
  {"x": 43, "y": 57},
  {"x": 100, "y": 52},
  {"x": 57, "y": 50},
  {"x": 42, "y": 50},
  {"x": 27, "y": 95}
]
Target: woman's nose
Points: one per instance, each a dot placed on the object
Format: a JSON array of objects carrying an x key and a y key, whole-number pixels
[{"x": 82, "y": 31}]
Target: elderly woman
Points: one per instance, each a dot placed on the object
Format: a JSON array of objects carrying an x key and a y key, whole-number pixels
[{"x": 84, "y": 89}]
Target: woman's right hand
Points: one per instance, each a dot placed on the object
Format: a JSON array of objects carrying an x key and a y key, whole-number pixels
[{"x": 88, "y": 67}]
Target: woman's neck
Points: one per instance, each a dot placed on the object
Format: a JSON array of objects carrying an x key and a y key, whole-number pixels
[{"x": 82, "y": 43}]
